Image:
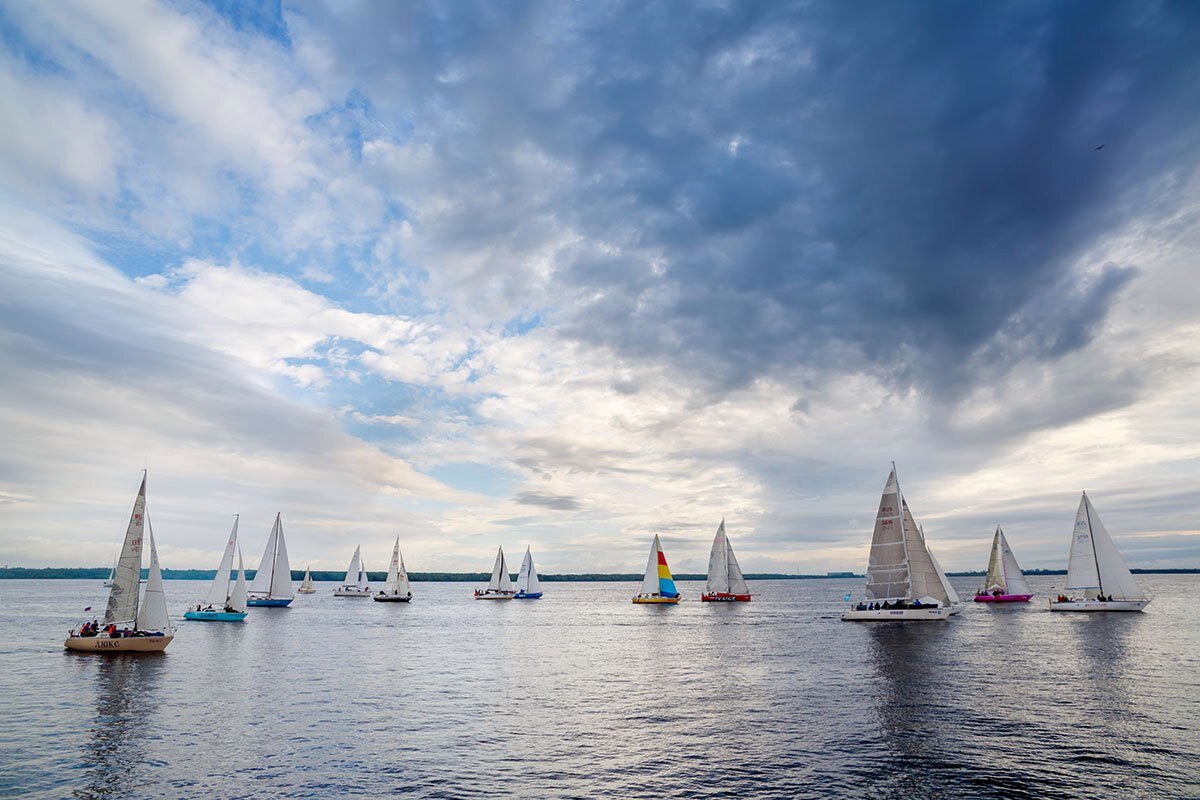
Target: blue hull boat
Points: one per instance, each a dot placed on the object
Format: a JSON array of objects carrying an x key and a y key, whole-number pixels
[
  {"x": 527, "y": 596},
  {"x": 215, "y": 616},
  {"x": 269, "y": 602}
]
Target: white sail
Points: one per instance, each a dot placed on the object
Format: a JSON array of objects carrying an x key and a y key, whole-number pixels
[
  {"x": 995, "y": 579},
  {"x": 123, "y": 597},
  {"x": 501, "y": 579},
  {"x": 362, "y": 574},
  {"x": 650, "y": 580},
  {"x": 262, "y": 576},
  {"x": 924, "y": 575},
  {"x": 307, "y": 583},
  {"x": 402, "y": 584},
  {"x": 1113, "y": 576},
  {"x": 1014, "y": 579},
  {"x": 237, "y": 598},
  {"x": 718, "y": 563},
  {"x": 218, "y": 592},
  {"x": 737, "y": 581},
  {"x": 887, "y": 565},
  {"x": 951, "y": 595},
  {"x": 355, "y": 568},
  {"x": 392, "y": 585},
  {"x": 527, "y": 578},
  {"x": 1083, "y": 575},
  {"x": 152, "y": 615},
  {"x": 281, "y": 576}
]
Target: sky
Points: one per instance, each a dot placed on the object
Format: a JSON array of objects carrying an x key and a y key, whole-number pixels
[{"x": 570, "y": 274}]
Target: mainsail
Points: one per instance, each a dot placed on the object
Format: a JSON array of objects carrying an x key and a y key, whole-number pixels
[
  {"x": 657, "y": 579},
  {"x": 501, "y": 581},
  {"x": 899, "y": 566},
  {"x": 527, "y": 578},
  {"x": 724, "y": 573},
  {"x": 218, "y": 592},
  {"x": 354, "y": 573},
  {"x": 307, "y": 583},
  {"x": 152, "y": 614},
  {"x": 123, "y": 597},
  {"x": 1096, "y": 565},
  {"x": 1004, "y": 575}
]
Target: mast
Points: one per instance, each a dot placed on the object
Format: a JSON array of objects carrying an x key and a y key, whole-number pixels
[
  {"x": 903, "y": 537},
  {"x": 1092, "y": 537}
]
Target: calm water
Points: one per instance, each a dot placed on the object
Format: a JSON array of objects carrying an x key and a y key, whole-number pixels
[{"x": 583, "y": 694}]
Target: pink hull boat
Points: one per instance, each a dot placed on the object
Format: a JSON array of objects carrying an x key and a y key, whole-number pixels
[{"x": 1002, "y": 598}]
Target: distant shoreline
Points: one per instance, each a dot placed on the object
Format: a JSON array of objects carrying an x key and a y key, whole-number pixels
[{"x": 100, "y": 573}]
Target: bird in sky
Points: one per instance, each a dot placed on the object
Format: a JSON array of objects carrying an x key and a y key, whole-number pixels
[{"x": 1101, "y": 147}]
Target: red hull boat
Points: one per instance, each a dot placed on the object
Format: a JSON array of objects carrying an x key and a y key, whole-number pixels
[
  {"x": 725, "y": 597},
  {"x": 1002, "y": 598}
]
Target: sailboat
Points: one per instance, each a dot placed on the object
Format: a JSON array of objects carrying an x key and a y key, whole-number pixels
[
  {"x": 1005, "y": 583},
  {"x": 357, "y": 572},
  {"x": 226, "y": 600},
  {"x": 130, "y": 626},
  {"x": 528, "y": 585},
  {"x": 657, "y": 585},
  {"x": 397, "y": 589},
  {"x": 272, "y": 584},
  {"x": 902, "y": 582},
  {"x": 1097, "y": 577},
  {"x": 500, "y": 586},
  {"x": 726, "y": 583},
  {"x": 112, "y": 571},
  {"x": 306, "y": 585}
]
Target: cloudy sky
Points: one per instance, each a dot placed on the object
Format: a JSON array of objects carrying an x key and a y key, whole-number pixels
[{"x": 569, "y": 274}]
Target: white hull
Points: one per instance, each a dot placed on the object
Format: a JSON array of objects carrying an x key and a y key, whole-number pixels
[
  {"x": 1099, "y": 605},
  {"x": 302, "y": 590},
  {"x": 344, "y": 592},
  {"x": 897, "y": 615},
  {"x": 957, "y": 608}
]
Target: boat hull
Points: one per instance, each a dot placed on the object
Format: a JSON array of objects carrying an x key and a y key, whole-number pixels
[
  {"x": 496, "y": 596},
  {"x": 527, "y": 596},
  {"x": 269, "y": 602},
  {"x": 897, "y": 615},
  {"x": 1099, "y": 605},
  {"x": 724, "y": 597},
  {"x": 391, "y": 598},
  {"x": 351, "y": 592},
  {"x": 132, "y": 644},
  {"x": 306, "y": 591},
  {"x": 656, "y": 601},
  {"x": 215, "y": 616},
  {"x": 1003, "y": 598}
]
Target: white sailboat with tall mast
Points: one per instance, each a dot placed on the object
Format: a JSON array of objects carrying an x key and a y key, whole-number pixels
[
  {"x": 397, "y": 589},
  {"x": 500, "y": 587},
  {"x": 726, "y": 584},
  {"x": 355, "y": 584},
  {"x": 658, "y": 585},
  {"x": 226, "y": 598},
  {"x": 1005, "y": 583},
  {"x": 1098, "y": 578},
  {"x": 132, "y": 624},
  {"x": 528, "y": 585},
  {"x": 902, "y": 581},
  {"x": 306, "y": 585},
  {"x": 272, "y": 584}
]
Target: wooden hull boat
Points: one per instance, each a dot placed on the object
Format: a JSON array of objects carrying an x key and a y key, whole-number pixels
[{"x": 131, "y": 644}]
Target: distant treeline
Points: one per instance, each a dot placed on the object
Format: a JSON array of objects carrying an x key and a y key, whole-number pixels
[{"x": 100, "y": 573}]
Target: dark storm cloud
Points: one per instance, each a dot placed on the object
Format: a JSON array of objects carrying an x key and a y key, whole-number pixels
[
  {"x": 548, "y": 500},
  {"x": 772, "y": 183}
]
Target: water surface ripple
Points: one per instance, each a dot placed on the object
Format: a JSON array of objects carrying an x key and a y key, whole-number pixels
[{"x": 583, "y": 694}]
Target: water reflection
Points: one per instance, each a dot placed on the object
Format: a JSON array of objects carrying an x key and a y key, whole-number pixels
[{"x": 124, "y": 691}]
